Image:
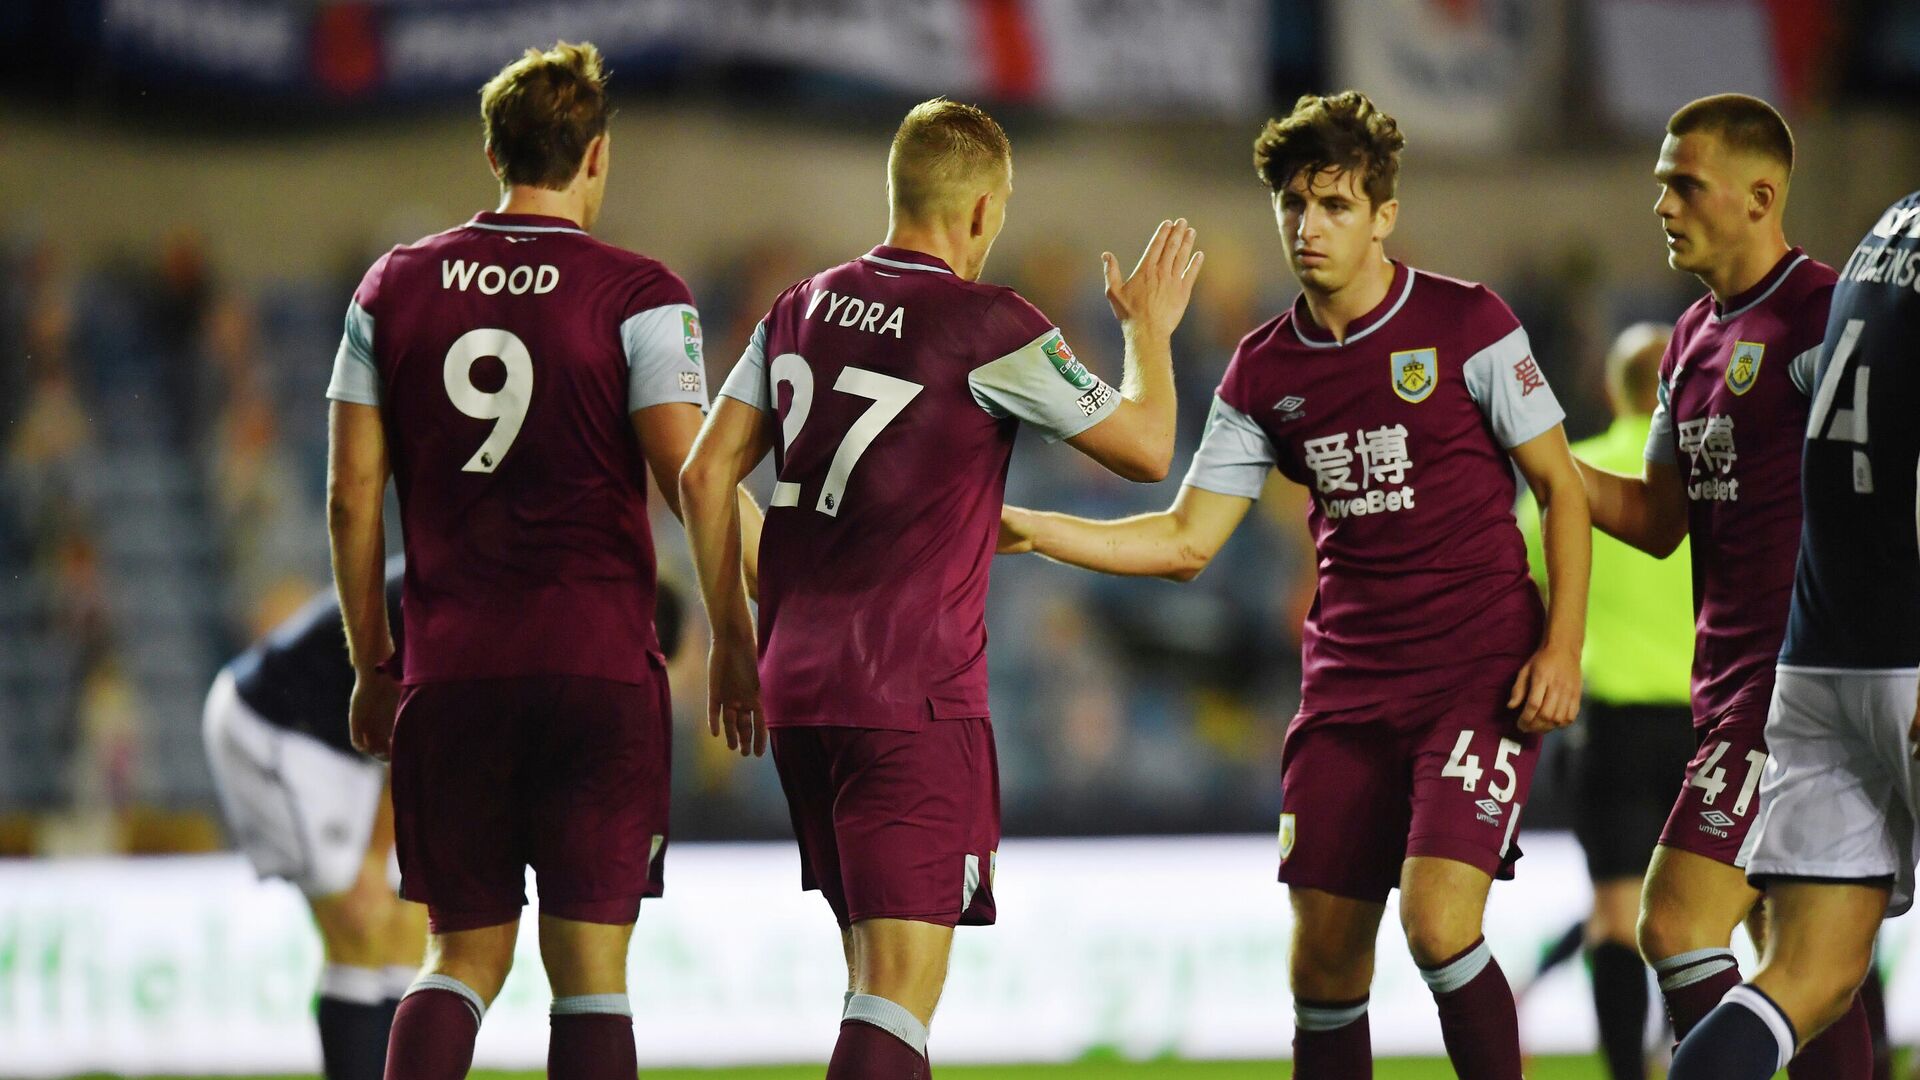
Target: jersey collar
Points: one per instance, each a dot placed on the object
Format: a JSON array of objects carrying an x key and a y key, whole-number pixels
[
  {"x": 1311, "y": 334},
  {"x": 523, "y": 223},
  {"x": 1761, "y": 289},
  {"x": 906, "y": 259}
]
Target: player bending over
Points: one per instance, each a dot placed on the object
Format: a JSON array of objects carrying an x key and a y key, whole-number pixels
[
  {"x": 305, "y": 806},
  {"x": 521, "y": 378},
  {"x": 890, "y": 389},
  {"x": 1838, "y": 831},
  {"x": 1723, "y": 466},
  {"x": 1403, "y": 400}
]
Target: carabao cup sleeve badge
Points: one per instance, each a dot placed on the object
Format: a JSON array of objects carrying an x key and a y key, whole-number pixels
[
  {"x": 1415, "y": 372},
  {"x": 1744, "y": 367}
]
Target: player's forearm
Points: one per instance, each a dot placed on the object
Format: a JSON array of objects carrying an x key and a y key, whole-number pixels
[
  {"x": 710, "y": 508},
  {"x": 1146, "y": 385},
  {"x": 1146, "y": 545},
  {"x": 1624, "y": 508},
  {"x": 1567, "y": 534},
  {"x": 357, "y": 537}
]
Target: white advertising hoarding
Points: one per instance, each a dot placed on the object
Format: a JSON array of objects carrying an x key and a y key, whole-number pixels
[{"x": 1137, "y": 947}]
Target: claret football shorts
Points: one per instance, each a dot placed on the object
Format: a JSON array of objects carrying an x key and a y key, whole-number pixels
[
  {"x": 565, "y": 774},
  {"x": 1841, "y": 795},
  {"x": 1716, "y": 804},
  {"x": 895, "y": 824},
  {"x": 1444, "y": 775}
]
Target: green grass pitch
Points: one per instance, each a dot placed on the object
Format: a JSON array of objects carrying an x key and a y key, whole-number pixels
[{"x": 1396, "y": 1069}]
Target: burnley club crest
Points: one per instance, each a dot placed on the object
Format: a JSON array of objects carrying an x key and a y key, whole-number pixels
[
  {"x": 1414, "y": 373},
  {"x": 1744, "y": 368}
]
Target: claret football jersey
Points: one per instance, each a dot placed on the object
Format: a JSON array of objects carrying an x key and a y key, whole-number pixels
[
  {"x": 897, "y": 388},
  {"x": 1400, "y": 433},
  {"x": 506, "y": 356},
  {"x": 1733, "y": 407}
]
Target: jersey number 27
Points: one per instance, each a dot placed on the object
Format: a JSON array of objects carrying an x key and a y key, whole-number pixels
[{"x": 890, "y": 397}]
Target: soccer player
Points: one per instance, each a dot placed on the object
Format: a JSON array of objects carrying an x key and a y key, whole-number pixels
[
  {"x": 1631, "y": 751},
  {"x": 521, "y": 378},
  {"x": 305, "y": 806},
  {"x": 1722, "y": 466},
  {"x": 1838, "y": 832},
  {"x": 890, "y": 389},
  {"x": 1404, "y": 400}
]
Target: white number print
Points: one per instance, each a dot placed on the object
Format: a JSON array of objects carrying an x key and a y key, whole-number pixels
[
  {"x": 1711, "y": 777},
  {"x": 1462, "y": 764},
  {"x": 507, "y": 405},
  {"x": 1466, "y": 767},
  {"x": 1845, "y": 425},
  {"x": 890, "y": 397}
]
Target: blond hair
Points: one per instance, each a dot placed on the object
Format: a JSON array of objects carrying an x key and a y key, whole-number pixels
[
  {"x": 939, "y": 149},
  {"x": 542, "y": 111}
]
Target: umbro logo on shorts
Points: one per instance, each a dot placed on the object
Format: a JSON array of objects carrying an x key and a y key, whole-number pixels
[{"x": 1717, "y": 823}]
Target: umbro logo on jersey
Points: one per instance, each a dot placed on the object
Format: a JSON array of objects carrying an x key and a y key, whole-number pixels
[{"x": 1289, "y": 407}]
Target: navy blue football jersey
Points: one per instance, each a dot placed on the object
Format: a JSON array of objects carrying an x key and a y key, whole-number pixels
[{"x": 1856, "y": 592}]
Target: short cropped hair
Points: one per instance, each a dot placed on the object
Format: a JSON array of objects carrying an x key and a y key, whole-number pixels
[
  {"x": 940, "y": 145},
  {"x": 1339, "y": 131},
  {"x": 542, "y": 110},
  {"x": 1633, "y": 366},
  {"x": 1744, "y": 123}
]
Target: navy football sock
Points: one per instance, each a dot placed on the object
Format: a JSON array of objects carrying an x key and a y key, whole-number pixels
[
  {"x": 1745, "y": 1037},
  {"x": 354, "y": 1014}
]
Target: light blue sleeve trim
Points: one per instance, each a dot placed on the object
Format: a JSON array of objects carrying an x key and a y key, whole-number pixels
[
  {"x": 664, "y": 360},
  {"x": 1060, "y": 398},
  {"x": 747, "y": 382},
  {"x": 1660, "y": 449},
  {"x": 1507, "y": 384},
  {"x": 355, "y": 378},
  {"x": 1234, "y": 455},
  {"x": 1803, "y": 368}
]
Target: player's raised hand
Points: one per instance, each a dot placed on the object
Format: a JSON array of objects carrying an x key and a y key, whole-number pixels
[
  {"x": 1016, "y": 531},
  {"x": 733, "y": 696},
  {"x": 370, "y": 712},
  {"x": 1547, "y": 692},
  {"x": 1154, "y": 297}
]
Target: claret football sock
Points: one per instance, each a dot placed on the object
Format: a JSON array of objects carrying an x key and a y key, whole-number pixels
[
  {"x": 1478, "y": 1021},
  {"x": 1844, "y": 1049},
  {"x": 1693, "y": 983},
  {"x": 434, "y": 1029},
  {"x": 1746, "y": 1037},
  {"x": 354, "y": 1015},
  {"x": 879, "y": 1040},
  {"x": 592, "y": 1038},
  {"x": 1331, "y": 1040},
  {"x": 1620, "y": 1003}
]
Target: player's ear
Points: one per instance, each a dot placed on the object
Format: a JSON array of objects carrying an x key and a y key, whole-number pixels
[
  {"x": 978, "y": 226},
  {"x": 1385, "y": 218},
  {"x": 597, "y": 155},
  {"x": 1762, "y": 196},
  {"x": 493, "y": 164}
]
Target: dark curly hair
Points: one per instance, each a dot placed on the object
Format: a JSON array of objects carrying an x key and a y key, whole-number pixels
[{"x": 1338, "y": 131}]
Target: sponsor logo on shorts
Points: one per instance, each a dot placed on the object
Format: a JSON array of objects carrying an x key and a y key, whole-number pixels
[
  {"x": 1286, "y": 836},
  {"x": 1291, "y": 407},
  {"x": 1489, "y": 811},
  {"x": 1717, "y": 823}
]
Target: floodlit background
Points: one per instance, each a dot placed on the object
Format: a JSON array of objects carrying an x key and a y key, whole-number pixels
[{"x": 189, "y": 190}]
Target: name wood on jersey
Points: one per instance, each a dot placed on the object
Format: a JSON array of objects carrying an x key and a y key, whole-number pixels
[
  {"x": 870, "y": 315},
  {"x": 490, "y": 279}
]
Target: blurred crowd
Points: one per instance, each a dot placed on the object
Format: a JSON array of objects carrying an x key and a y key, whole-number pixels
[{"x": 161, "y": 506}]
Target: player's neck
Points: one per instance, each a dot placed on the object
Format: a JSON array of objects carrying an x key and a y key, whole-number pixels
[
  {"x": 1336, "y": 310},
  {"x": 1745, "y": 269},
  {"x": 569, "y": 204},
  {"x": 940, "y": 244}
]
